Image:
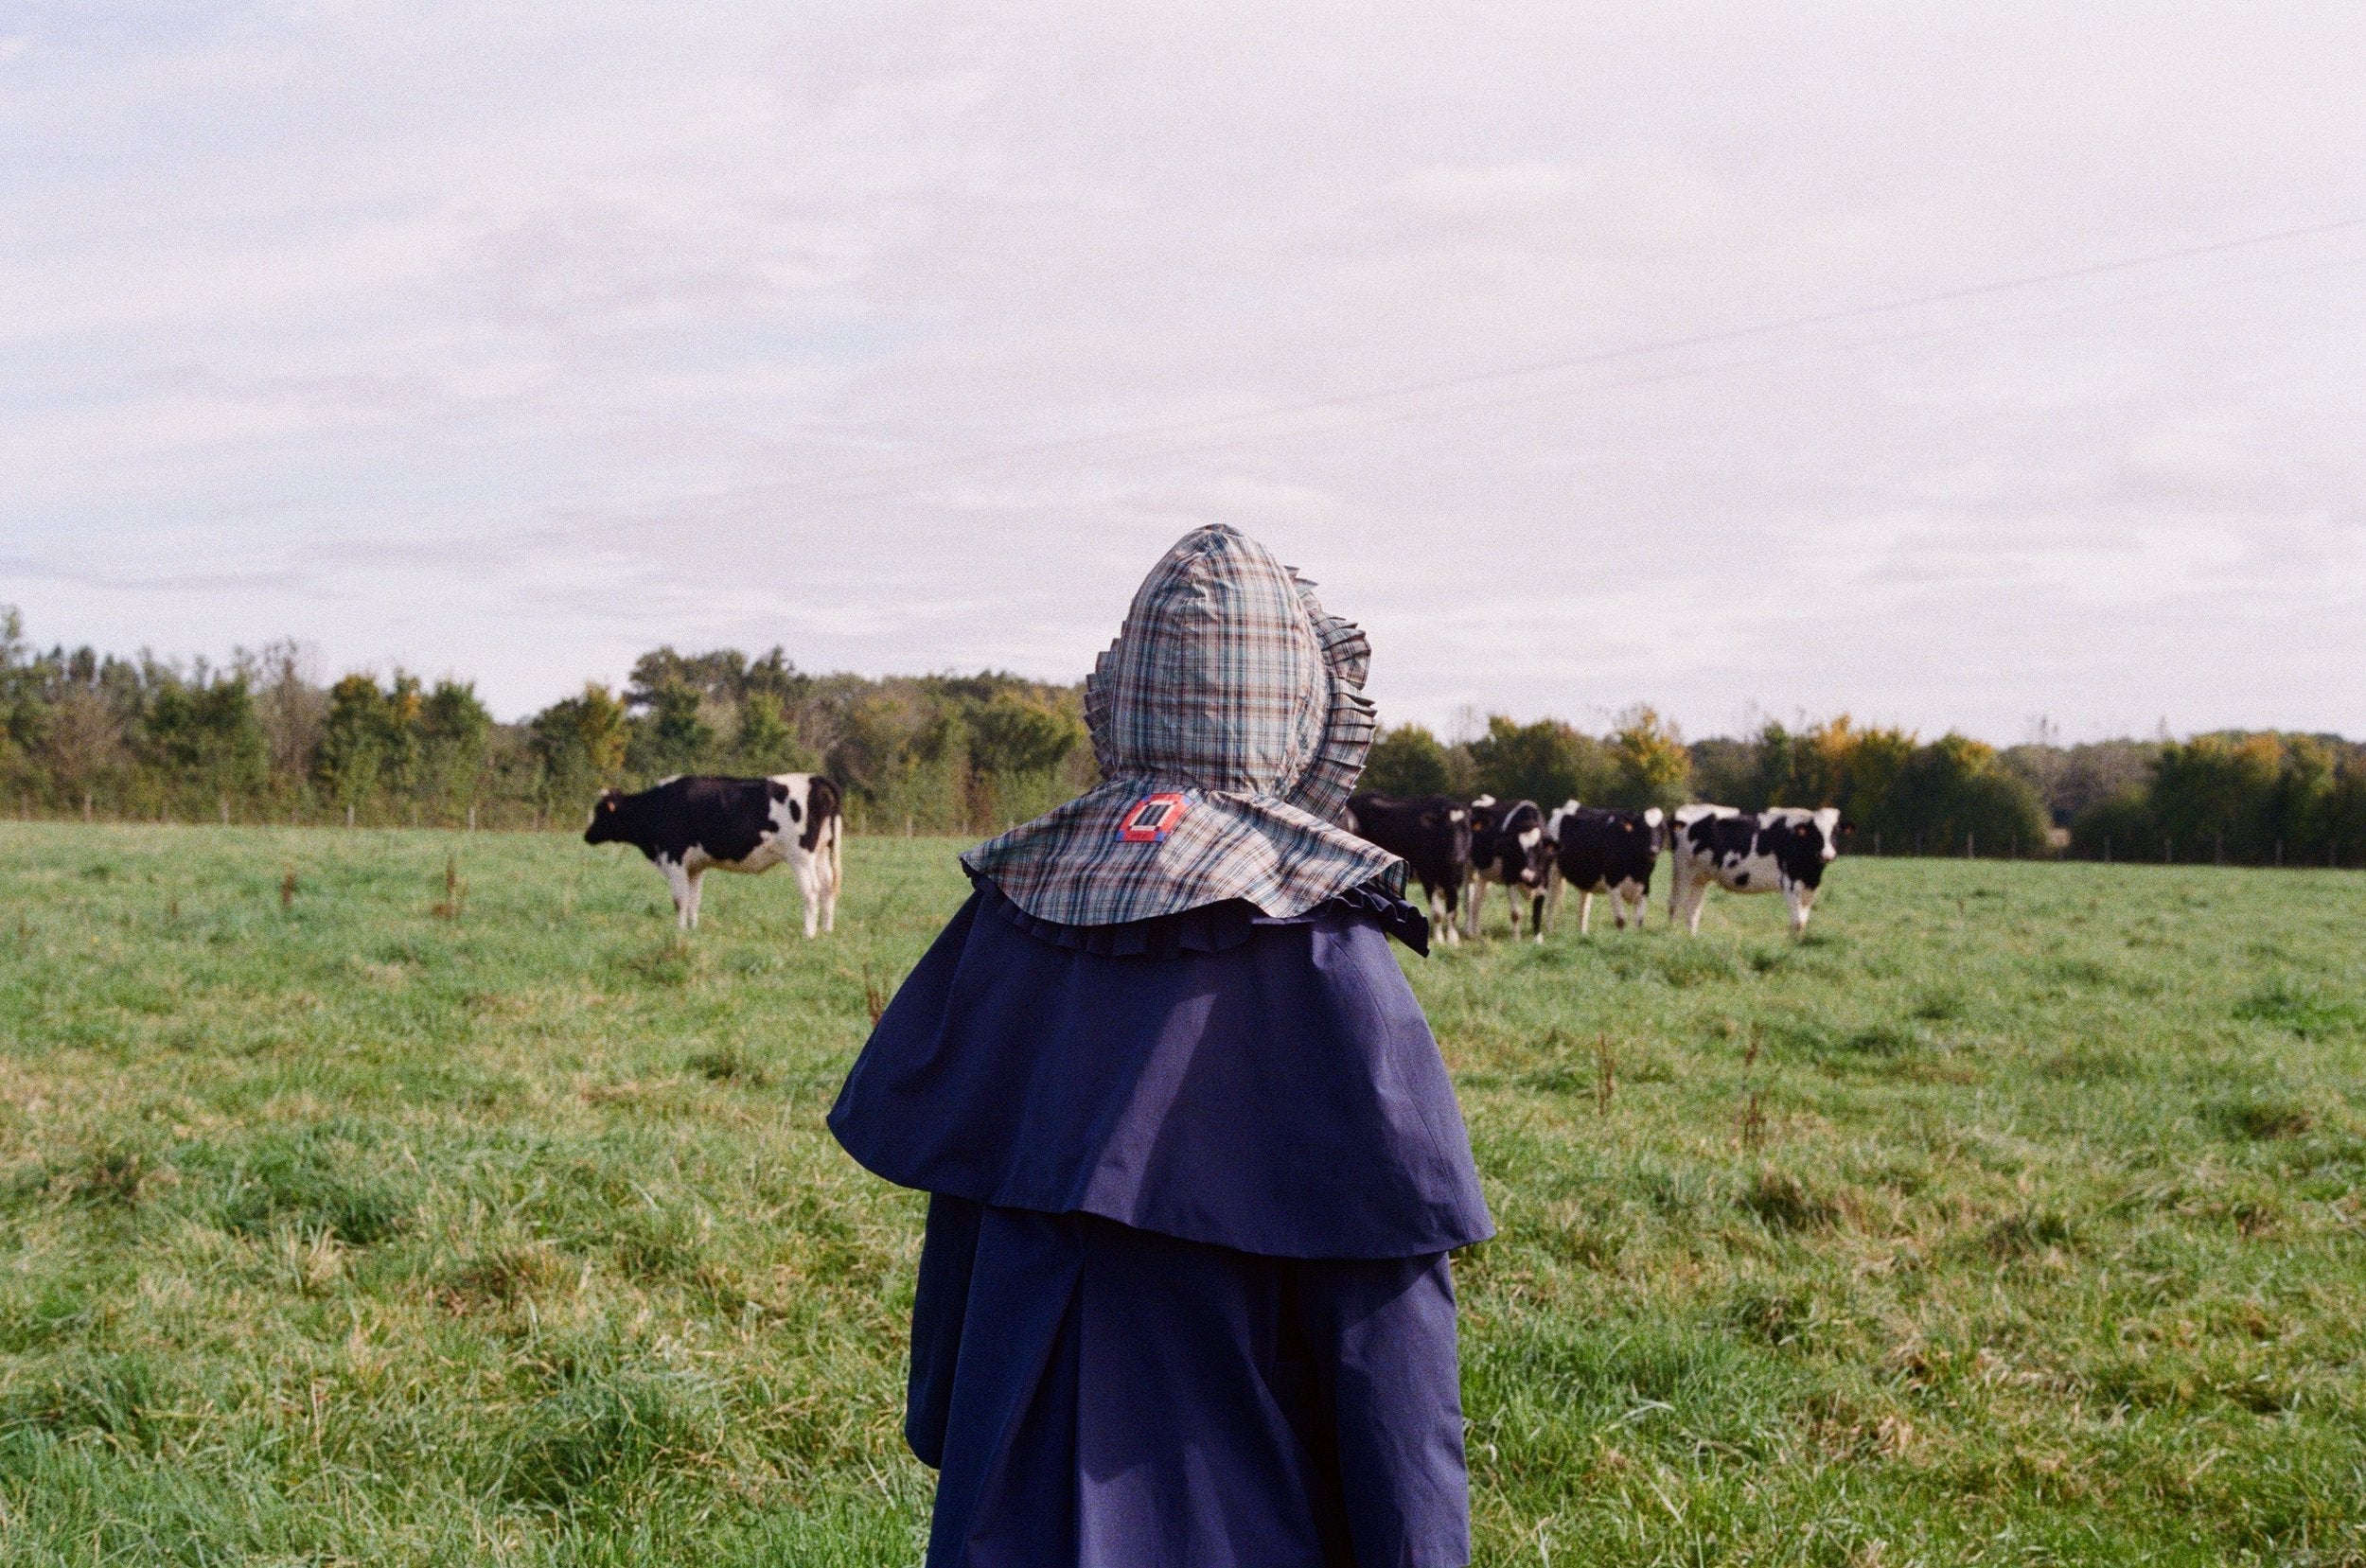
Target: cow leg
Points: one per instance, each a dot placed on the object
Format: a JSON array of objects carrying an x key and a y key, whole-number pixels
[
  {"x": 1585, "y": 913},
  {"x": 809, "y": 875},
  {"x": 1536, "y": 916},
  {"x": 836, "y": 874},
  {"x": 1802, "y": 902},
  {"x": 697, "y": 883},
  {"x": 678, "y": 883}
]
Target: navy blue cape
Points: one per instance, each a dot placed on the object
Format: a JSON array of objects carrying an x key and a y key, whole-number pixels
[{"x": 1220, "y": 1076}]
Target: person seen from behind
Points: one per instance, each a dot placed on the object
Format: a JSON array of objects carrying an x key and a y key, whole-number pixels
[{"x": 1195, "y": 1165}]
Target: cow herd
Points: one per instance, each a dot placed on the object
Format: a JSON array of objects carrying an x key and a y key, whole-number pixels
[
  {"x": 1460, "y": 849},
  {"x": 1457, "y": 850}
]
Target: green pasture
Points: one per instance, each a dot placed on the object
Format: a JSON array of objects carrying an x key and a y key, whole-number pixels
[{"x": 351, "y": 1213}]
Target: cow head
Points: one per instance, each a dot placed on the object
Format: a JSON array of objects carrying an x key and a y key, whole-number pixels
[
  {"x": 1524, "y": 850},
  {"x": 1656, "y": 821},
  {"x": 1828, "y": 827},
  {"x": 607, "y": 823}
]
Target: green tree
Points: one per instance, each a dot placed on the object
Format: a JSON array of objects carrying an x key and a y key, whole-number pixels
[
  {"x": 1776, "y": 778},
  {"x": 2118, "y": 826},
  {"x": 351, "y": 759},
  {"x": 23, "y": 711},
  {"x": 1649, "y": 763},
  {"x": 454, "y": 730},
  {"x": 2216, "y": 794},
  {"x": 2345, "y": 811},
  {"x": 671, "y": 734},
  {"x": 579, "y": 744},
  {"x": 765, "y": 743},
  {"x": 1012, "y": 734},
  {"x": 1546, "y": 762},
  {"x": 202, "y": 739},
  {"x": 1015, "y": 745},
  {"x": 1408, "y": 760},
  {"x": 1957, "y": 790},
  {"x": 1724, "y": 770},
  {"x": 2299, "y": 826}
]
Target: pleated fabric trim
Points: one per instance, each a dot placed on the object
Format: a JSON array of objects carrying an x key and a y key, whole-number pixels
[
  {"x": 1208, "y": 927},
  {"x": 1353, "y": 723}
]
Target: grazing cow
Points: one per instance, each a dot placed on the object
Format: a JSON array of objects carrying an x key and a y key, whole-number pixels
[
  {"x": 1786, "y": 848},
  {"x": 1599, "y": 851},
  {"x": 1508, "y": 846},
  {"x": 690, "y": 827},
  {"x": 1433, "y": 834}
]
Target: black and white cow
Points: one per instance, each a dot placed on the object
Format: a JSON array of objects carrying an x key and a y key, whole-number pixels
[
  {"x": 1507, "y": 848},
  {"x": 1679, "y": 867},
  {"x": 1599, "y": 851},
  {"x": 1433, "y": 834},
  {"x": 689, "y": 826},
  {"x": 1785, "y": 849}
]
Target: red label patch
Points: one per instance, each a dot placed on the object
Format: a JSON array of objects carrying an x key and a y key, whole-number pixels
[{"x": 1149, "y": 819}]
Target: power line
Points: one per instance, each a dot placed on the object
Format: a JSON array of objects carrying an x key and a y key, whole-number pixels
[
  {"x": 1575, "y": 362},
  {"x": 1779, "y": 356},
  {"x": 859, "y": 490}
]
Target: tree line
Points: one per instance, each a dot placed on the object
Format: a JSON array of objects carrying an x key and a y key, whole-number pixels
[{"x": 260, "y": 737}]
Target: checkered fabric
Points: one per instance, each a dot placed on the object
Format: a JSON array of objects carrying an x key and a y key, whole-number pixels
[{"x": 1229, "y": 685}]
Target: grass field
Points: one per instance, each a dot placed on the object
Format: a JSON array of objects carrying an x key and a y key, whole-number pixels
[{"x": 2019, "y": 1215}]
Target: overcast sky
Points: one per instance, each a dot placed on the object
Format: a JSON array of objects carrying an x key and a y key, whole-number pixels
[{"x": 506, "y": 341}]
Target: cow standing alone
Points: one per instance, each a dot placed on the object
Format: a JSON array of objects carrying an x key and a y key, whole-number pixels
[
  {"x": 1433, "y": 835},
  {"x": 1600, "y": 851},
  {"x": 1785, "y": 849},
  {"x": 689, "y": 826}
]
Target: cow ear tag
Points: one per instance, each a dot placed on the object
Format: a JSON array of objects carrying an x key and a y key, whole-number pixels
[{"x": 1149, "y": 819}]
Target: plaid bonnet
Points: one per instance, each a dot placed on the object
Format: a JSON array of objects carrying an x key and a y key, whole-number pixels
[{"x": 1230, "y": 724}]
